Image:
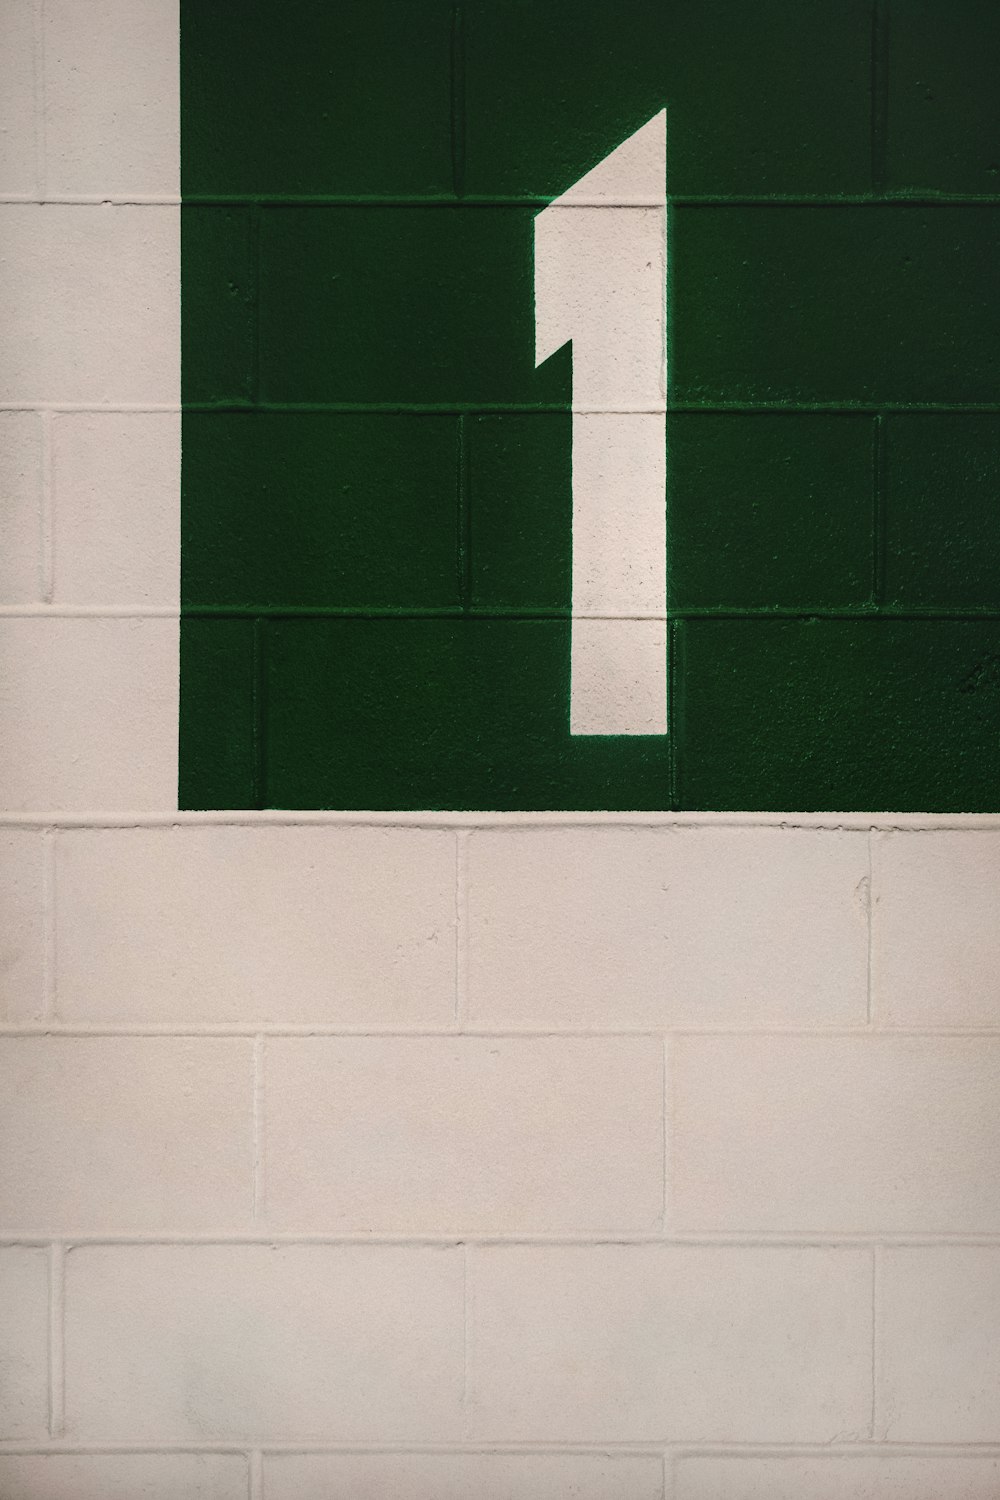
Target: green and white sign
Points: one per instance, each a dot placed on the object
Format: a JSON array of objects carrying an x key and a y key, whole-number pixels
[{"x": 584, "y": 408}]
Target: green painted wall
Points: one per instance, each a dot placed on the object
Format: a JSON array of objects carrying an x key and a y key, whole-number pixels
[{"x": 376, "y": 480}]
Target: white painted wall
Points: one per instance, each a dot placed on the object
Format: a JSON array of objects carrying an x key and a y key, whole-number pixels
[{"x": 642, "y": 1158}]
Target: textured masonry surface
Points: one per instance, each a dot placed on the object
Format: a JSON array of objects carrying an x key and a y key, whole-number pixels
[{"x": 642, "y": 1157}]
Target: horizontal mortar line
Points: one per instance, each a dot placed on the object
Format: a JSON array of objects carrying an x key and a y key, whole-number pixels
[
  {"x": 513, "y": 613},
  {"x": 91, "y": 611},
  {"x": 915, "y": 198},
  {"x": 742, "y": 1239},
  {"x": 835, "y": 821},
  {"x": 95, "y": 408},
  {"x": 709, "y": 407},
  {"x": 619, "y": 1447},
  {"x": 95, "y": 200},
  {"x": 249, "y": 1029},
  {"x": 509, "y": 613},
  {"x": 714, "y": 406}
]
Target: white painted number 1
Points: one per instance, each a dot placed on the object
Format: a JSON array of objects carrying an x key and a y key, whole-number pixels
[{"x": 600, "y": 281}]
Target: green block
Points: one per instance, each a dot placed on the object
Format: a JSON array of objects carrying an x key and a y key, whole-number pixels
[
  {"x": 440, "y": 714},
  {"x": 219, "y": 761},
  {"x": 308, "y": 97},
  {"x": 397, "y": 305},
  {"x": 765, "y": 98},
  {"x": 826, "y": 715},
  {"x": 769, "y": 510},
  {"x": 942, "y": 525},
  {"x": 867, "y": 303},
  {"x": 943, "y": 114},
  {"x": 218, "y": 304},
  {"x": 294, "y": 509},
  {"x": 520, "y": 501}
]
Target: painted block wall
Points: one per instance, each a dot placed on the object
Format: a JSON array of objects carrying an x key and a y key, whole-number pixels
[{"x": 636, "y": 1155}]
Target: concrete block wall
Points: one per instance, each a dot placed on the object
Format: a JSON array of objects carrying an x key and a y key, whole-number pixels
[{"x": 650, "y": 1158}]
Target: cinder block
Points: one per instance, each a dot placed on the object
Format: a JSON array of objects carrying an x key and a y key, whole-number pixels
[
  {"x": 17, "y": 103},
  {"x": 938, "y": 1354},
  {"x": 942, "y": 121},
  {"x": 458, "y": 1476},
  {"x": 92, "y": 303},
  {"x": 904, "y": 315},
  {"x": 20, "y": 502},
  {"x": 24, "y": 1342},
  {"x": 354, "y": 925},
  {"x": 841, "y": 1476},
  {"x": 116, "y": 481},
  {"x": 936, "y": 928},
  {"x": 942, "y": 542},
  {"x": 478, "y": 1134},
  {"x": 667, "y": 927},
  {"x": 382, "y": 72},
  {"x": 112, "y": 97},
  {"x": 862, "y": 713},
  {"x": 123, "y": 1476},
  {"x": 89, "y": 710},
  {"x": 607, "y": 1343},
  {"x": 126, "y": 1133},
  {"x": 835, "y": 1134},
  {"x": 236, "y": 1342},
  {"x": 22, "y": 960}
]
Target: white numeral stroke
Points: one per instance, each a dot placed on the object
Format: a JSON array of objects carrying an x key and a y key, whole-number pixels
[{"x": 600, "y": 281}]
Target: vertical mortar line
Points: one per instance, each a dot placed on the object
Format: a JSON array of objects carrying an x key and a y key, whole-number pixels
[
  {"x": 464, "y": 517},
  {"x": 41, "y": 144},
  {"x": 876, "y": 1292},
  {"x": 49, "y": 1006},
  {"x": 668, "y": 1477},
  {"x": 258, "y": 689},
  {"x": 466, "y": 1337},
  {"x": 461, "y": 923},
  {"x": 665, "y": 1134},
  {"x": 46, "y": 515},
  {"x": 870, "y": 904},
  {"x": 254, "y": 249},
  {"x": 255, "y": 1474},
  {"x": 257, "y": 1205},
  {"x": 57, "y": 1343},
  {"x": 878, "y": 511},
  {"x": 879, "y": 93},
  {"x": 458, "y": 101},
  {"x": 672, "y": 716}
]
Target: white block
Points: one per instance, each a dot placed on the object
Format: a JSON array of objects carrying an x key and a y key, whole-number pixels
[
  {"x": 938, "y": 1362},
  {"x": 461, "y": 1476},
  {"x": 24, "y": 1342},
  {"x": 599, "y": 280},
  {"x": 936, "y": 928},
  {"x": 242, "y": 1342},
  {"x": 841, "y": 1476},
  {"x": 17, "y": 98},
  {"x": 431, "y": 1135},
  {"x": 619, "y": 677},
  {"x": 116, "y": 481},
  {"x": 607, "y": 1343},
  {"x": 22, "y": 961},
  {"x": 609, "y": 927},
  {"x": 835, "y": 1134},
  {"x": 20, "y": 506},
  {"x": 91, "y": 303},
  {"x": 353, "y": 925},
  {"x": 112, "y": 97},
  {"x": 89, "y": 709},
  {"x": 123, "y": 1476},
  {"x": 125, "y": 1133}
]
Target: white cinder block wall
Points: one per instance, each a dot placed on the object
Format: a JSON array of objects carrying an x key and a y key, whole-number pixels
[{"x": 622, "y": 1159}]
